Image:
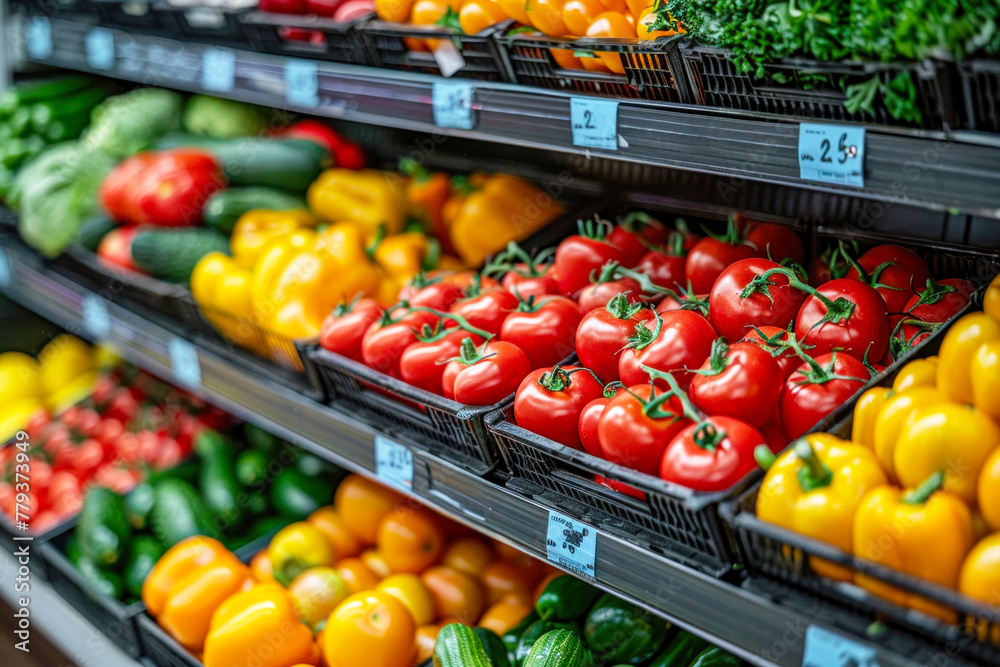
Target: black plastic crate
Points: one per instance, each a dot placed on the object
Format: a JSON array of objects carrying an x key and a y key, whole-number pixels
[
  {"x": 213, "y": 24},
  {"x": 484, "y": 59},
  {"x": 306, "y": 36},
  {"x": 981, "y": 89},
  {"x": 112, "y": 617},
  {"x": 59, "y": 8},
  {"x": 132, "y": 15},
  {"x": 162, "y": 649},
  {"x": 651, "y": 71},
  {"x": 236, "y": 332},
  {"x": 714, "y": 81}
]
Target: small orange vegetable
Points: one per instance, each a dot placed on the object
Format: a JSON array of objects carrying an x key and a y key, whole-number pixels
[{"x": 612, "y": 24}]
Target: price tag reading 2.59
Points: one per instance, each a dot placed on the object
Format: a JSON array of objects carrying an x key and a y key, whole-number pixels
[
  {"x": 832, "y": 154},
  {"x": 571, "y": 544}
]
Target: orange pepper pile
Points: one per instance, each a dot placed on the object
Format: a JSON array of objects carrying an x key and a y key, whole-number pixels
[{"x": 366, "y": 582}]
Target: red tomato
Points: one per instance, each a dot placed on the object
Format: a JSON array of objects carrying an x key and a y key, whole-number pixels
[
  {"x": 40, "y": 475},
  {"x": 940, "y": 301},
  {"x": 544, "y": 330},
  {"x": 487, "y": 310},
  {"x": 741, "y": 381},
  {"x": 596, "y": 295},
  {"x": 149, "y": 443},
  {"x": 604, "y": 332},
  {"x": 87, "y": 456},
  {"x": 637, "y": 425},
  {"x": 383, "y": 344},
  {"x": 678, "y": 341},
  {"x": 817, "y": 388},
  {"x": 908, "y": 334},
  {"x": 108, "y": 432},
  {"x": 620, "y": 487},
  {"x": 123, "y": 407},
  {"x": 422, "y": 363},
  {"x": 774, "y": 341},
  {"x": 38, "y": 423},
  {"x": 115, "y": 249},
  {"x": 684, "y": 300},
  {"x": 663, "y": 269},
  {"x": 530, "y": 280},
  {"x": 865, "y": 329},
  {"x": 57, "y": 441},
  {"x": 90, "y": 422},
  {"x": 579, "y": 255},
  {"x": 43, "y": 521},
  {"x": 104, "y": 389},
  {"x": 550, "y": 400},
  {"x": 773, "y": 433},
  {"x": 894, "y": 271},
  {"x": 127, "y": 448},
  {"x": 168, "y": 454},
  {"x": 344, "y": 328},
  {"x": 71, "y": 417},
  {"x": 648, "y": 229},
  {"x": 711, "y": 255},
  {"x": 485, "y": 375},
  {"x": 773, "y": 302},
  {"x": 439, "y": 290},
  {"x": 587, "y": 426},
  {"x": 629, "y": 243},
  {"x": 776, "y": 242},
  {"x": 712, "y": 455},
  {"x": 830, "y": 265}
]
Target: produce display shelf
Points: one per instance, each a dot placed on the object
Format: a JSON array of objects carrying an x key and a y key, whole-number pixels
[
  {"x": 941, "y": 171},
  {"x": 743, "y": 615}
]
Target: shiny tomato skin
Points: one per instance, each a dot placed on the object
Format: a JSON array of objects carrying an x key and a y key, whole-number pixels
[
  {"x": 787, "y": 361},
  {"x": 733, "y": 316},
  {"x": 556, "y": 414},
  {"x": 803, "y": 404},
  {"x": 686, "y": 463},
  {"x": 382, "y": 346},
  {"x": 775, "y": 241},
  {"x": 528, "y": 285},
  {"x": 867, "y": 329},
  {"x": 629, "y": 437},
  {"x": 747, "y": 388},
  {"x": 907, "y": 274},
  {"x": 547, "y": 333},
  {"x": 587, "y": 426},
  {"x": 663, "y": 269},
  {"x": 601, "y": 337},
  {"x": 947, "y": 305},
  {"x": 597, "y": 295},
  {"x": 344, "y": 328},
  {"x": 488, "y": 310},
  {"x": 444, "y": 290},
  {"x": 629, "y": 243},
  {"x": 578, "y": 256},
  {"x": 489, "y": 380},
  {"x": 422, "y": 363},
  {"x": 709, "y": 257},
  {"x": 685, "y": 341}
]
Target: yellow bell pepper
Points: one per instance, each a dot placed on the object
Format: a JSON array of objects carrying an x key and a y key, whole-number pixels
[
  {"x": 958, "y": 348},
  {"x": 19, "y": 377},
  {"x": 504, "y": 209},
  {"x": 259, "y": 628},
  {"x": 893, "y": 416},
  {"x": 991, "y": 299},
  {"x": 296, "y": 548},
  {"x": 15, "y": 415},
  {"x": 194, "y": 598},
  {"x": 178, "y": 561},
  {"x": 814, "y": 487},
  {"x": 61, "y": 361},
  {"x": 272, "y": 261},
  {"x": 220, "y": 283},
  {"x": 256, "y": 228},
  {"x": 988, "y": 490},
  {"x": 955, "y": 439},
  {"x": 403, "y": 254},
  {"x": 865, "y": 412},
  {"x": 917, "y": 373},
  {"x": 980, "y": 574},
  {"x": 367, "y": 197},
  {"x": 925, "y": 532},
  {"x": 985, "y": 378}
]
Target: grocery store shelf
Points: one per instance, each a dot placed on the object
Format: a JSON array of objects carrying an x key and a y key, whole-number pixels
[
  {"x": 958, "y": 172},
  {"x": 730, "y": 611}
]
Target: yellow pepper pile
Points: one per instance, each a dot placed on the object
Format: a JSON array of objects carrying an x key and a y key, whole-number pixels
[{"x": 918, "y": 488}]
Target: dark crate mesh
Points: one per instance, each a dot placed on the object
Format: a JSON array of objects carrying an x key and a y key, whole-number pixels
[
  {"x": 160, "y": 647},
  {"x": 250, "y": 336},
  {"x": 203, "y": 23},
  {"x": 387, "y": 48},
  {"x": 142, "y": 16},
  {"x": 981, "y": 88},
  {"x": 715, "y": 82},
  {"x": 338, "y": 42}
]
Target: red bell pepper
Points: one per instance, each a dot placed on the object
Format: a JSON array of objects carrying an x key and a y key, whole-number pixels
[
  {"x": 323, "y": 7},
  {"x": 115, "y": 249},
  {"x": 346, "y": 154},
  {"x": 282, "y": 6},
  {"x": 167, "y": 188}
]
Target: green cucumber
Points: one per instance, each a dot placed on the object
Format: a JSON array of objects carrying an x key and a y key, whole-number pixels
[
  {"x": 178, "y": 513},
  {"x": 104, "y": 581},
  {"x": 714, "y": 656},
  {"x": 566, "y": 598},
  {"x": 171, "y": 254},
  {"x": 261, "y": 440},
  {"x": 512, "y": 637},
  {"x": 681, "y": 650},
  {"x": 79, "y": 104},
  {"x": 458, "y": 646},
  {"x": 29, "y": 93},
  {"x": 102, "y": 527},
  {"x": 93, "y": 230},
  {"x": 620, "y": 632},
  {"x": 138, "y": 505},
  {"x": 533, "y": 633},
  {"x": 297, "y": 495},
  {"x": 146, "y": 550},
  {"x": 493, "y": 645},
  {"x": 559, "y": 648},
  {"x": 224, "y": 208},
  {"x": 217, "y": 478},
  {"x": 251, "y": 467}
]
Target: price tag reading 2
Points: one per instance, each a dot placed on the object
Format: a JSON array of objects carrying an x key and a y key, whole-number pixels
[
  {"x": 828, "y": 649},
  {"x": 571, "y": 544},
  {"x": 832, "y": 154},
  {"x": 594, "y": 123},
  {"x": 452, "y": 104},
  {"x": 393, "y": 463}
]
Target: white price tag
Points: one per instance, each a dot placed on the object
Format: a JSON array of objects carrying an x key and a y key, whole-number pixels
[
  {"x": 828, "y": 649},
  {"x": 38, "y": 37},
  {"x": 452, "y": 103},
  {"x": 96, "y": 321},
  {"x": 100, "y": 49},
  {"x": 594, "y": 123},
  {"x": 6, "y": 275},
  {"x": 571, "y": 544},
  {"x": 301, "y": 83},
  {"x": 218, "y": 69},
  {"x": 184, "y": 361},
  {"x": 832, "y": 154},
  {"x": 393, "y": 463},
  {"x": 448, "y": 58}
]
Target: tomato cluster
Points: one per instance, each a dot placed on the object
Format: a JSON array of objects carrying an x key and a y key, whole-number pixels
[{"x": 131, "y": 422}]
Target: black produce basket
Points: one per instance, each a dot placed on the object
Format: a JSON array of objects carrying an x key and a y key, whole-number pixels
[
  {"x": 651, "y": 71},
  {"x": 981, "y": 89},
  {"x": 142, "y": 15},
  {"x": 161, "y": 648},
  {"x": 484, "y": 59},
  {"x": 714, "y": 81},
  {"x": 212, "y": 24},
  {"x": 306, "y": 36},
  {"x": 39, "y": 565},
  {"x": 112, "y": 617},
  {"x": 236, "y": 332},
  {"x": 59, "y": 8}
]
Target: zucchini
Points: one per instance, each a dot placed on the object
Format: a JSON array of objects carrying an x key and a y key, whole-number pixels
[
  {"x": 681, "y": 650},
  {"x": 458, "y": 646},
  {"x": 533, "y": 633},
  {"x": 619, "y": 632},
  {"x": 178, "y": 513},
  {"x": 261, "y": 440},
  {"x": 104, "y": 581},
  {"x": 93, "y": 230},
  {"x": 714, "y": 656},
  {"x": 78, "y": 104},
  {"x": 513, "y": 636},
  {"x": 251, "y": 467},
  {"x": 224, "y": 208},
  {"x": 296, "y": 495},
  {"x": 28, "y": 93},
  {"x": 102, "y": 527},
  {"x": 493, "y": 645},
  {"x": 559, "y": 648},
  {"x": 217, "y": 478},
  {"x": 566, "y": 598},
  {"x": 146, "y": 550},
  {"x": 138, "y": 505},
  {"x": 171, "y": 254}
]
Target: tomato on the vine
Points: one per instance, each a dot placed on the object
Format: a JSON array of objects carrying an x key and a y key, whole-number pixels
[
  {"x": 385, "y": 340},
  {"x": 894, "y": 271},
  {"x": 598, "y": 293},
  {"x": 544, "y": 329},
  {"x": 486, "y": 309},
  {"x": 940, "y": 301},
  {"x": 485, "y": 375},
  {"x": 774, "y": 241},
  {"x": 745, "y": 295},
  {"x": 678, "y": 342},
  {"x": 847, "y": 315},
  {"x": 711, "y": 455},
  {"x": 637, "y": 425},
  {"x": 579, "y": 255},
  {"x": 817, "y": 388},
  {"x": 590, "y": 416},
  {"x": 422, "y": 363},
  {"x": 524, "y": 274},
  {"x": 634, "y": 233},
  {"x": 665, "y": 269},
  {"x": 549, "y": 402},
  {"x": 775, "y": 341},
  {"x": 440, "y": 289},
  {"x": 603, "y": 333},
  {"x": 344, "y": 328},
  {"x": 741, "y": 381},
  {"x": 712, "y": 254}
]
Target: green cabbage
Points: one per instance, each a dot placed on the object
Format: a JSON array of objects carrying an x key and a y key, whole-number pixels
[{"x": 223, "y": 119}]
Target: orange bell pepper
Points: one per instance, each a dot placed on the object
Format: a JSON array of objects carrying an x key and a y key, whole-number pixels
[
  {"x": 516, "y": 9},
  {"x": 566, "y": 58},
  {"x": 579, "y": 14},
  {"x": 178, "y": 561},
  {"x": 477, "y": 15},
  {"x": 395, "y": 11},
  {"x": 432, "y": 13},
  {"x": 428, "y": 192},
  {"x": 546, "y": 15},
  {"x": 615, "y": 25},
  {"x": 620, "y": 6},
  {"x": 654, "y": 22},
  {"x": 195, "y": 597}
]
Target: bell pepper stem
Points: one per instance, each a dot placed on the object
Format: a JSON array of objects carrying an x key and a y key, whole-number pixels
[
  {"x": 764, "y": 457},
  {"x": 927, "y": 488},
  {"x": 813, "y": 474}
]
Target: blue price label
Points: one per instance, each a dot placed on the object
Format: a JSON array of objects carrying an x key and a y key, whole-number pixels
[
  {"x": 184, "y": 361},
  {"x": 827, "y": 649},
  {"x": 301, "y": 83},
  {"x": 832, "y": 154},
  {"x": 594, "y": 123},
  {"x": 39, "y": 37},
  {"x": 6, "y": 276},
  {"x": 571, "y": 544},
  {"x": 100, "y": 49},
  {"x": 393, "y": 463},
  {"x": 452, "y": 102},
  {"x": 218, "y": 69},
  {"x": 96, "y": 321}
]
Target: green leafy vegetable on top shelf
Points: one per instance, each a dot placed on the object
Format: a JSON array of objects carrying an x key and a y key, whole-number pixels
[
  {"x": 223, "y": 119},
  {"x": 126, "y": 124}
]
